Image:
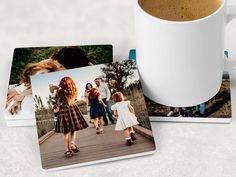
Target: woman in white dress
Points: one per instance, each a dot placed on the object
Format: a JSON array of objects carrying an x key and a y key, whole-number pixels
[{"x": 126, "y": 119}]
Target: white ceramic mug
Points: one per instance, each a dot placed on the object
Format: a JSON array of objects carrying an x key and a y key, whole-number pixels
[{"x": 181, "y": 62}]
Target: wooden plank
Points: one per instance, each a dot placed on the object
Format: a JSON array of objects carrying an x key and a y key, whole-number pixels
[
  {"x": 46, "y": 136},
  {"x": 92, "y": 147}
]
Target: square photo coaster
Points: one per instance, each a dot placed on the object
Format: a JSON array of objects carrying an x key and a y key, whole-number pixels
[
  {"x": 216, "y": 110},
  {"x": 90, "y": 115},
  {"x": 19, "y": 109}
]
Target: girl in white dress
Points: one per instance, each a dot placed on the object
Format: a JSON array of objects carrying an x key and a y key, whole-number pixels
[{"x": 126, "y": 119}]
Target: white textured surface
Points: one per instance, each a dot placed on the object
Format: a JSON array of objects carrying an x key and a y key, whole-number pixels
[{"x": 184, "y": 149}]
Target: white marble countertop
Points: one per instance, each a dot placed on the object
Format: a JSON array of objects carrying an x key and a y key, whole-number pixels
[{"x": 184, "y": 149}]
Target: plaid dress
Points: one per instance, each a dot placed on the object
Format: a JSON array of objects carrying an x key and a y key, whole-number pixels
[{"x": 70, "y": 119}]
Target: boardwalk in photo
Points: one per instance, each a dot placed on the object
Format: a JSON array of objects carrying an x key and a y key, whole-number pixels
[{"x": 92, "y": 147}]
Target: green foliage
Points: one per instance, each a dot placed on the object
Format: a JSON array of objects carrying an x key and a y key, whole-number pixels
[
  {"x": 45, "y": 121},
  {"x": 38, "y": 102},
  {"x": 99, "y": 54},
  {"x": 23, "y": 56},
  {"x": 117, "y": 73},
  {"x": 49, "y": 102}
]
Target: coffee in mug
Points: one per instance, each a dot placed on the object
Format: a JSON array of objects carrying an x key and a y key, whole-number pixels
[
  {"x": 180, "y": 10},
  {"x": 181, "y": 62}
]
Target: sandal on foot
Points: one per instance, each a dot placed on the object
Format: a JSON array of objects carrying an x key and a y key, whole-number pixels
[
  {"x": 74, "y": 148},
  {"x": 128, "y": 142},
  {"x": 68, "y": 153},
  {"x": 132, "y": 135},
  {"x": 97, "y": 130}
]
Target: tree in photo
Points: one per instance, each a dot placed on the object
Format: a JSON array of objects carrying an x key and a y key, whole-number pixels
[{"x": 116, "y": 74}]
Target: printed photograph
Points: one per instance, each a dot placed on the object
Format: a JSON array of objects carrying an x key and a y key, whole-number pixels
[
  {"x": 91, "y": 114},
  {"x": 38, "y": 60},
  {"x": 217, "y": 107}
]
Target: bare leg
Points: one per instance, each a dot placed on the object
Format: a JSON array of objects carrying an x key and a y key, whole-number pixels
[
  {"x": 100, "y": 124},
  {"x": 68, "y": 153},
  {"x": 131, "y": 130},
  {"x": 132, "y": 133},
  {"x": 73, "y": 146},
  {"x": 66, "y": 140},
  {"x": 127, "y": 137},
  {"x": 96, "y": 124},
  {"x": 73, "y": 137},
  {"x": 126, "y": 133}
]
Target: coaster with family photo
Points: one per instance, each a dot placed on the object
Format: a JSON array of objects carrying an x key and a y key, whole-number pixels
[
  {"x": 216, "y": 110},
  {"x": 19, "y": 109},
  {"x": 90, "y": 115}
]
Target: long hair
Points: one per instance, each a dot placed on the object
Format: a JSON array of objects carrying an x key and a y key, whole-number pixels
[
  {"x": 32, "y": 69},
  {"x": 71, "y": 57},
  {"x": 88, "y": 84},
  {"x": 93, "y": 93},
  {"x": 118, "y": 97},
  {"x": 68, "y": 89}
]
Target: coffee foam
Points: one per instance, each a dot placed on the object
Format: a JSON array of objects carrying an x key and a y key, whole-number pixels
[{"x": 180, "y": 10}]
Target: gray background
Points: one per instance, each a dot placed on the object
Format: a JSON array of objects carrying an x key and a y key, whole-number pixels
[{"x": 184, "y": 149}]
